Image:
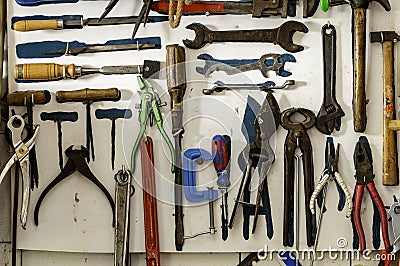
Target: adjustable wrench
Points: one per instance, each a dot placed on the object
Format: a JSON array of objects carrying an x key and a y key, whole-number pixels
[
  {"x": 267, "y": 62},
  {"x": 282, "y": 35},
  {"x": 329, "y": 115}
]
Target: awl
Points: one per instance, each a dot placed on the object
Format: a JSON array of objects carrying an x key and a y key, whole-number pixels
[
  {"x": 49, "y": 71},
  {"x": 38, "y": 22}
]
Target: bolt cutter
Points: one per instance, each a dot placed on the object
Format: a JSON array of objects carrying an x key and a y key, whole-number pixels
[
  {"x": 149, "y": 108},
  {"x": 16, "y": 125}
]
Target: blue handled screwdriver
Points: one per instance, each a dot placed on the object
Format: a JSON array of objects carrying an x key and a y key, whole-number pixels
[{"x": 221, "y": 150}]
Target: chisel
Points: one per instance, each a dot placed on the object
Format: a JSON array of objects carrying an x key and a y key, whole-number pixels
[
  {"x": 49, "y": 72},
  {"x": 38, "y": 22}
]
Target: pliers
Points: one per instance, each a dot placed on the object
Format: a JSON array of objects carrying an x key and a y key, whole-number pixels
[
  {"x": 142, "y": 17},
  {"x": 331, "y": 173},
  {"x": 365, "y": 178},
  {"x": 149, "y": 108},
  {"x": 16, "y": 125}
]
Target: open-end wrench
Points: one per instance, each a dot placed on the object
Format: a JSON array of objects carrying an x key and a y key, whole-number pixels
[
  {"x": 282, "y": 35},
  {"x": 266, "y": 86},
  {"x": 267, "y": 62},
  {"x": 329, "y": 116}
]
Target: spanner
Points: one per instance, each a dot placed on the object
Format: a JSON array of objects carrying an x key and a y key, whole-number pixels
[
  {"x": 266, "y": 86},
  {"x": 267, "y": 62},
  {"x": 329, "y": 116},
  {"x": 282, "y": 35}
]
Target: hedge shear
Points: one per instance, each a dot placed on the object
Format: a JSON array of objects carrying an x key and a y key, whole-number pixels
[
  {"x": 16, "y": 125},
  {"x": 149, "y": 108}
]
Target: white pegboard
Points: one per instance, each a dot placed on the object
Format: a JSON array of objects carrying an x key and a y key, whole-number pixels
[{"x": 66, "y": 224}]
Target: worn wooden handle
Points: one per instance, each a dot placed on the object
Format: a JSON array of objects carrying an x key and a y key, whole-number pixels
[
  {"x": 176, "y": 73},
  {"x": 112, "y": 94},
  {"x": 44, "y": 71},
  {"x": 32, "y": 25},
  {"x": 359, "y": 97},
  {"x": 22, "y": 98},
  {"x": 389, "y": 156}
]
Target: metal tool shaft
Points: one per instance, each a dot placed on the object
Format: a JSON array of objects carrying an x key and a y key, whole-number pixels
[
  {"x": 176, "y": 81},
  {"x": 123, "y": 192}
]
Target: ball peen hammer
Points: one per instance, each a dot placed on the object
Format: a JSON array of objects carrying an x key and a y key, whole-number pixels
[
  {"x": 390, "y": 124},
  {"x": 359, "y": 8}
]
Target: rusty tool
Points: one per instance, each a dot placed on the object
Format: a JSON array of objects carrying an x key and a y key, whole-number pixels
[
  {"x": 330, "y": 113},
  {"x": 359, "y": 8},
  {"x": 258, "y": 154},
  {"x": 297, "y": 139},
  {"x": 282, "y": 36},
  {"x": 176, "y": 82},
  {"x": 266, "y": 63},
  {"x": 266, "y": 87},
  {"x": 390, "y": 169},
  {"x": 49, "y": 71},
  {"x": 76, "y": 163},
  {"x": 30, "y": 99},
  {"x": 258, "y": 8},
  {"x": 87, "y": 97},
  {"x": 150, "y": 203},
  {"x": 124, "y": 190}
]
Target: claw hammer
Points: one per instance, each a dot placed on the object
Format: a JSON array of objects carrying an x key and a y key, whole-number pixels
[
  {"x": 390, "y": 124},
  {"x": 359, "y": 8}
]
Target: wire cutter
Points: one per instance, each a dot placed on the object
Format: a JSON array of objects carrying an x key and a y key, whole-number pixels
[
  {"x": 331, "y": 173},
  {"x": 149, "y": 108},
  {"x": 142, "y": 17},
  {"x": 16, "y": 125},
  {"x": 365, "y": 178}
]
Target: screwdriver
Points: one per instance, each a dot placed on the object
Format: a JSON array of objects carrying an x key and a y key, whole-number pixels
[
  {"x": 50, "y": 71},
  {"x": 221, "y": 155}
]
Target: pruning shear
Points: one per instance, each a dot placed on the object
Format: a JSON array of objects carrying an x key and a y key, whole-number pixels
[
  {"x": 16, "y": 125},
  {"x": 149, "y": 108},
  {"x": 142, "y": 17}
]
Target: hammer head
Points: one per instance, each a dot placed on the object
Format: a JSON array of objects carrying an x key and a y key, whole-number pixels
[{"x": 384, "y": 36}]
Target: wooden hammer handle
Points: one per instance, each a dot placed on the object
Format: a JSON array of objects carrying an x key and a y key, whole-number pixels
[
  {"x": 32, "y": 25},
  {"x": 22, "y": 98},
  {"x": 83, "y": 95},
  {"x": 44, "y": 72},
  {"x": 359, "y": 96},
  {"x": 389, "y": 156}
]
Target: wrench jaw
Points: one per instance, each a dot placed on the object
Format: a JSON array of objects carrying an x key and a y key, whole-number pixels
[
  {"x": 200, "y": 39},
  {"x": 285, "y": 35},
  {"x": 329, "y": 118}
]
